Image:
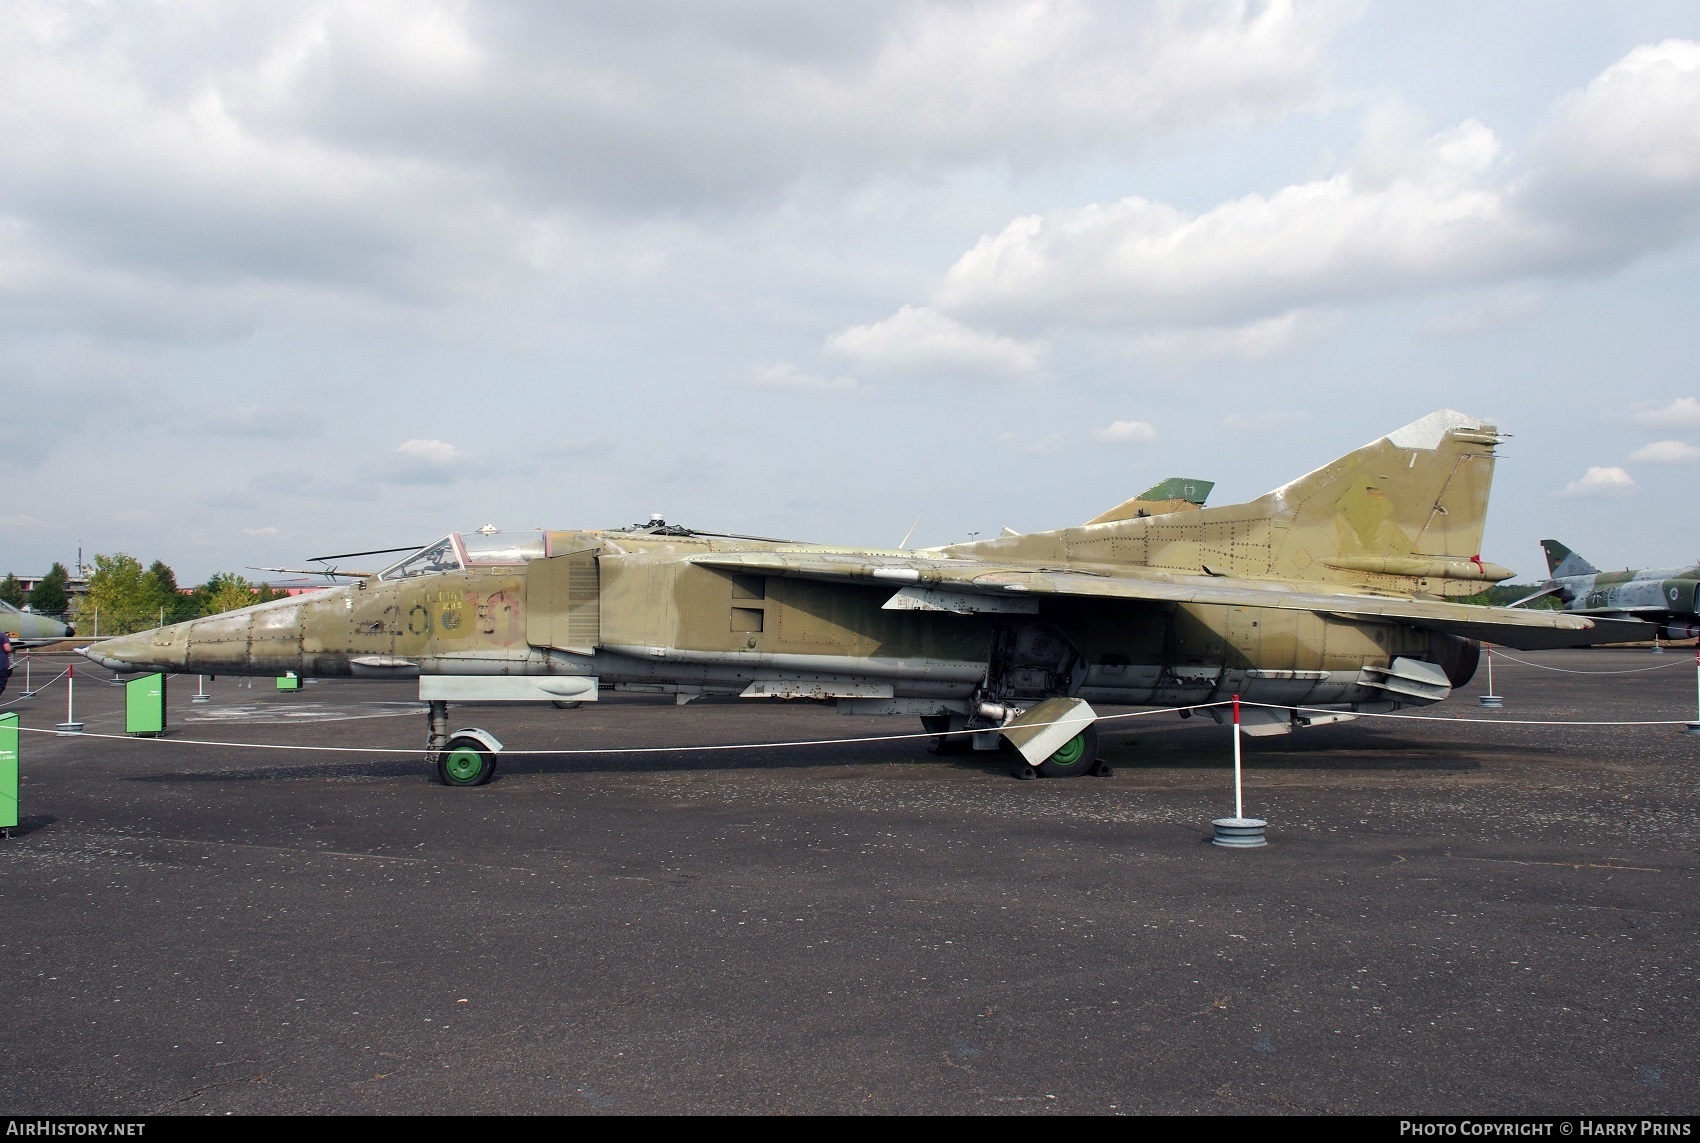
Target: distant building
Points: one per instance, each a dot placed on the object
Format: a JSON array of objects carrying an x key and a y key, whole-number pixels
[
  {"x": 299, "y": 586},
  {"x": 74, "y": 585}
]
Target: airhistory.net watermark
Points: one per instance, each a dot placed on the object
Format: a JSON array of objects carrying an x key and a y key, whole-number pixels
[{"x": 49, "y": 1128}]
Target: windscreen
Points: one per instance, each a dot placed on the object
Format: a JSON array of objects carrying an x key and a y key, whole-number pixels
[{"x": 438, "y": 557}]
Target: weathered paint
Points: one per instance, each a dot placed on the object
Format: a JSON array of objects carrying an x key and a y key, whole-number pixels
[
  {"x": 1657, "y": 595},
  {"x": 1312, "y": 594}
]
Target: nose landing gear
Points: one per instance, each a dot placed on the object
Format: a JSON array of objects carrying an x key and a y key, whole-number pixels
[{"x": 465, "y": 758}]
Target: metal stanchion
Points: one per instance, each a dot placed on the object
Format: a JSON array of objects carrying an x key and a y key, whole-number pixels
[
  {"x": 29, "y": 692},
  {"x": 201, "y": 694},
  {"x": 1491, "y": 700},
  {"x": 70, "y": 725},
  {"x": 1694, "y": 727},
  {"x": 1239, "y": 831}
]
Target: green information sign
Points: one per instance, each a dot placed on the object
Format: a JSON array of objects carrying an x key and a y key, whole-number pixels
[
  {"x": 144, "y": 705},
  {"x": 289, "y": 682},
  {"x": 9, "y": 771}
]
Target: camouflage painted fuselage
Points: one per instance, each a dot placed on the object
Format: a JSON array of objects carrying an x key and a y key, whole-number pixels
[
  {"x": 1670, "y": 592},
  {"x": 649, "y": 617},
  {"x": 1327, "y": 591},
  {"x": 1669, "y": 597}
]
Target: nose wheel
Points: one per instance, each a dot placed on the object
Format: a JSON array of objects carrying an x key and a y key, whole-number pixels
[
  {"x": 466, "y": 762},
  {"x": 464, "y": 758}
]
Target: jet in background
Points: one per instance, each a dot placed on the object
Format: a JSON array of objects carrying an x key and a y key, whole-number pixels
[
  {"x": 28, "y": 629},
  {"x": 1669, "y": 597}
]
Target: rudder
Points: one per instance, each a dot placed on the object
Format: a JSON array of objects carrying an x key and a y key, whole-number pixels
[{"x": 1561, "y": 561}]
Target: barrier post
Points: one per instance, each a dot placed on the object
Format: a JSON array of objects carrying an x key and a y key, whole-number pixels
[
  {"x": 1491, "y": 700},
  {"x": 1694, "y": 727},
  {"x": 29, "y": 692},
  {"x": 1239, "y": 802},
  {"x": 70, "y": 725},
  {"x": 201, "y": 694},
  {"x": 1239, "y": 831}
]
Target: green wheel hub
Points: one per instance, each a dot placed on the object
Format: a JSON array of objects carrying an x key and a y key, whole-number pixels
[
  {"x": 464, "y": 764},
  {"x": 1069, "y": 752}
]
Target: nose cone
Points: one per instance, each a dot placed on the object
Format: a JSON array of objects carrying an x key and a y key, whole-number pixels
[{"x": 124, "y": 653}]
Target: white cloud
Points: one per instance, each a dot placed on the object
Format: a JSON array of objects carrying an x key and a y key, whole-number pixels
[
  {"x": 430, "y": 452},
  {"x": 408, "y": 149},
  {"x": 1623, "y": 154},
  {"x": 1127, "y": 432},
  {"x": 1665, "y": 452},
  {"x": 787, "y": 376},
  {"x": 1598, "y": 481},
  {"x": 1337, "y": 239},
  {"x": 1406, "y": 215},
  {"x": 1681, "y": 413},
  {"x": 917, "y": 339},
  {"x": 1253, "y": 341},
  {"x": 1494, "y": 310},
  {"x": 281, "y": 421},
  {"x": 425, "y": 461},
  {"x": 21, "y": 521},
  {"x": 258, "y": 532}
]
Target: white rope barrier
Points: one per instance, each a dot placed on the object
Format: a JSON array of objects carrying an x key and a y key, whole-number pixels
[
  {"x": 1567, "y": 671},
  {"x": 620, "y": 749},
  {"x": 851, "y": 741},
  {"x": 37, "y": 690}
]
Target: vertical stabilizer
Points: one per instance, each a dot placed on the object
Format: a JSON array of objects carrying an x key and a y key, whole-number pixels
[
  {"x": 1404, "y": 513},
  {"x": 1561, "y": 561}
]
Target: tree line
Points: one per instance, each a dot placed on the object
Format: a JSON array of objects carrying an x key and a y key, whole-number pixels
[{"x": 127, "y": 597}]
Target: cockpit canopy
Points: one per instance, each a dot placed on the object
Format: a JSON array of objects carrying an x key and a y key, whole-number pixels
[{"x": 483, "y": 548}]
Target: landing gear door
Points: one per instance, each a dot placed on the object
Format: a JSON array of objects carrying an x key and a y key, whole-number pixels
[{"x": 563, "y": 602}]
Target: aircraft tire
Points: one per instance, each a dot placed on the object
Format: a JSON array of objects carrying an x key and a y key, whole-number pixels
[
  {"x": 465, "y": 762},
  {"x": 1077, "y": 756}
]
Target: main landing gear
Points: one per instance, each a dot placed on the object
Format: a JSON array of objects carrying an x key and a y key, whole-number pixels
[
  {"x": 464, "y": 758},
  {"x": 1074, "y": 758}
]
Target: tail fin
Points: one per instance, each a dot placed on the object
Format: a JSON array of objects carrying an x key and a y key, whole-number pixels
[
  {"x": 1561, "y": 561},
  {"x": 1404, "y": 513}
]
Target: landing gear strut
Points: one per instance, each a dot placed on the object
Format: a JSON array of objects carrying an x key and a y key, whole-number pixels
[{"x": 437, "y": 729}]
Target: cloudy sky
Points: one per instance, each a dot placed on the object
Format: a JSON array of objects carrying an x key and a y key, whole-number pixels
[{"x": 301, "y": 277}]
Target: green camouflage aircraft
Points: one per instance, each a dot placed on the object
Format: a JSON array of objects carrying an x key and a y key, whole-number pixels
[
  {"x": 1667, "y": 597},
  {"x": 1327, "y": 593},
  {"x": 31, "y": 628}
]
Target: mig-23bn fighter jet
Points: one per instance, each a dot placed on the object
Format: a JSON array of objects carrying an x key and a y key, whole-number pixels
[{"x": 1327, "y": 594}]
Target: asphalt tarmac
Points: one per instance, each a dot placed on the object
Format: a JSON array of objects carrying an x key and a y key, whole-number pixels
[{"x": 1449, "y": 917}]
